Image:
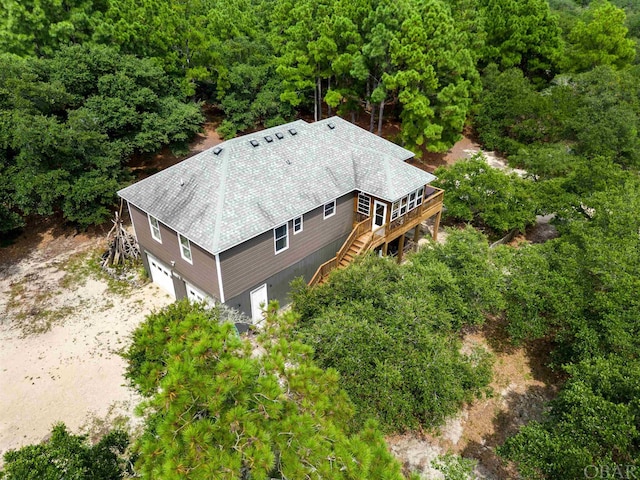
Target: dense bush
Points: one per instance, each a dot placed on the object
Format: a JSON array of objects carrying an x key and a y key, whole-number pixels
[
  {"x": 66, "y": 133},
  {"x": 70, "y": 457},
  {"x": 485, "y": 196},
  {"x": 391, "y": 331}
]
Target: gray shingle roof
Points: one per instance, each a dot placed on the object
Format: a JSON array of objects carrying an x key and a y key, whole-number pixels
[{"x": 219, "y": 201}]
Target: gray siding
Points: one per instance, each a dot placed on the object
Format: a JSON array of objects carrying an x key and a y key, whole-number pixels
[
  {"x": 278, "y": 284},
  {"x": 202, "y": 273},
  {"x": 249, "y": 264}
]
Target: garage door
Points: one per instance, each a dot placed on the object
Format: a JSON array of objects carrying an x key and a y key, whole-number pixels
[
  {"x": 196, "y": 295},
  {"x": 161, "y": 275}
]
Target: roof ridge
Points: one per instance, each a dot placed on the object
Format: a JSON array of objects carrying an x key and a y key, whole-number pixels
[{"x": 221, "y": 196}]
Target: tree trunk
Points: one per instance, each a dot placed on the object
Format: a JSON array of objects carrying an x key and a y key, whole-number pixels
[
  {"x": 372, "y": 120},
  {"x": 320, "y": 97},
  {"x": 353, "y": 116},
  {"x": 380, "y": 118},
  {"x": 329, "y": 88},
  {"x": 315, "y": 104}
]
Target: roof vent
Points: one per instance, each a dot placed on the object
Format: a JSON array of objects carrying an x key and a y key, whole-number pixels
[
  {"x": 293, "y": 131},
  {"x": 288, "y": 161},
  {"x": 331, "y": 125},
  {"x": 254, "y": 142},
  {"x": 269, "y": 138},
  {"x": 279, "y": 135},
  {"x": 217, "y": 150}
]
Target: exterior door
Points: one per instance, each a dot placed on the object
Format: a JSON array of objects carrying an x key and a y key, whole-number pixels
[
  {"x": 259, "y": 301},
  {"x": 161, "y": 275},
  {"x": 379, "y": 216}
]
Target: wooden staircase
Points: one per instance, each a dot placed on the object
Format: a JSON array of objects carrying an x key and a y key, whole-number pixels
[
  {"x": 356, "y": 243},
  {"x": 356, "y": 248}
]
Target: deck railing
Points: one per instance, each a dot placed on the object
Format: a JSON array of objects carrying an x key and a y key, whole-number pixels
[
  {"x": 385, "y": 230},
  {"x": 429, "y": 202}
]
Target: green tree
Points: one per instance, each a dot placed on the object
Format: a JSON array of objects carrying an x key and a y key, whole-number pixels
[
  {"x": 522, "y": 34},
  {"x": 66, "y": 133},
  {"x": 478, "y": 193},
  {"x": 599, "y": 39},
  {"x": 70, "y": 457},
  {"x": 41, "y": 27},
  {"x": 435, "y": 100},
  {"x": 221, "y": 406}
]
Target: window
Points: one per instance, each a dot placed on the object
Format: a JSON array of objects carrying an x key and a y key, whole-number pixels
[
  {"x": 297, "y": 225},
  {"x": 281, "y": 238},
  {"x": 185, "y": 248},
  {"x": 412, "y": 200},
  {"x": 364, "y": 204},
  {"x": 403, "y": 206},
  {"x": 329, "y": 209},
  {"x": 155, "y": 228},
  {"x": 420, "y": 195},
  {"x": 395, "y": 210}
]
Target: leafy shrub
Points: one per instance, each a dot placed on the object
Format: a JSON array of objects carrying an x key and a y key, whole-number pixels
[
  {"x": 391, "y": 331},
  {"x": 70, "y": 457},
  {"x": 478, "y": 193}
]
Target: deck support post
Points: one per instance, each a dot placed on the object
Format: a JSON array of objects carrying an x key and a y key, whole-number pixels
[
  {"x": 385, "y": 245},
  {"x": 416, "y": 237},
  {"x": 436, "y": 226},
  {"x": 400, "y": 248}
]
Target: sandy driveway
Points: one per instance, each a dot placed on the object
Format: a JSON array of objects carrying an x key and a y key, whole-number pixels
[{"x": 59, "y": 338}]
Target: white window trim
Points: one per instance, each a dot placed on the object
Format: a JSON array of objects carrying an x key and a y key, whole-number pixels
[
  {"x": 180, "y": 237},
  {"x": 324, "y": 209},
  {"x": 295, "y": 232},
  {"x": 286, "y": 237},
  {"x": 151, "y": 227}
]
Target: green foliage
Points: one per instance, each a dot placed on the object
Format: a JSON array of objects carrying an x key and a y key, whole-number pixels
[
  {"x": 599, "y": 39},
  {"x": 593, "y": 424},
  {"x": 478, "y": 193},
  {"x": 41, "y": 27},
  {"x": 512, "y": 112},
  {"x": 522, "y": 34},
  {"x": 70, "y": 457},
  {"x": 454, "y": 467},
  {"x": 593, "y": 113},
  {"x": 220, "y": 406},
  {"x": 390, "y": 331},
  {"x": 66, "y": 132}
]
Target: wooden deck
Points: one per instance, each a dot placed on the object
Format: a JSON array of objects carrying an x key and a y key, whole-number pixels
[{"x": 363, "y": 238}]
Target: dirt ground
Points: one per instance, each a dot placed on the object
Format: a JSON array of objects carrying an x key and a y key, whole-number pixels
[{"x": 60, "y": 331}]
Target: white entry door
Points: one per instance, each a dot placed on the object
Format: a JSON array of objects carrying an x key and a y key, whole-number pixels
[
  {"x": 379, "y": 216},
  {"x": 259, "y": 302},
  {"x": 161, "y": 275}
]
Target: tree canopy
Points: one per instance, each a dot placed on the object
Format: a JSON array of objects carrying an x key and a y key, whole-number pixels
[{"x": 221, "y": 406}]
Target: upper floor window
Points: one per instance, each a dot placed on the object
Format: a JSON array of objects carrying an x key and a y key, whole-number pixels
[
  {"x": 330, "y": 209},
  {"x": 185, "y": 248},
  {"x": 155, "y": 228},
  {"x": 408, "y": 203},
  {"x": 364, "y": 204},
  {"x": 412, "y": 200},
  {"x": 281, "y": 238},
  {"x": 297, "y": 225}
]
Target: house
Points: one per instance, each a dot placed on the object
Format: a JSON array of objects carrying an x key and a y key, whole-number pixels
[{"x": 238, "y": 222}]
